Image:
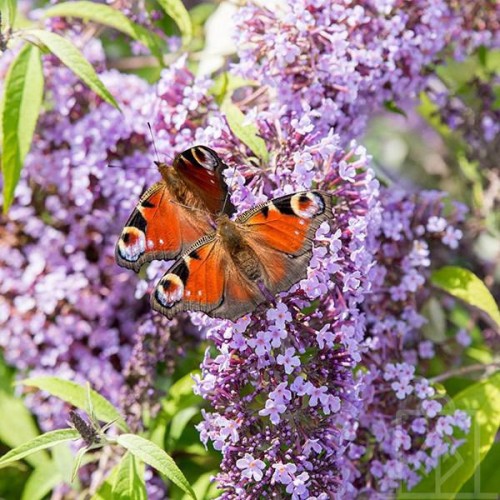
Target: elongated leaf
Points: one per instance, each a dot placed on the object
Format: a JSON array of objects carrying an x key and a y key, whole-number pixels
[
  {"x": 18, "y": 426},
  {"x": 76, "y": 395},
  {"x": 180, "y": 395},
  {"x": 8, "y": 9},
  {"x": 39, "y": 443},
  {"x": 129, "y": 481},
  {"x": 466, "y": 286},
  {"x": 108, "y": 16},
  {"x": 154, "y": 456},
  {"x": 71, "y": 57},
  {"x": 41, "y": 482},
  {"x": 23, "y": 92},
  {"x": 178, "y": 424},
  {"x": 176, "y": 10},
  {"x": 247, "y": 134},
  {"x": 482, "y": 402}
]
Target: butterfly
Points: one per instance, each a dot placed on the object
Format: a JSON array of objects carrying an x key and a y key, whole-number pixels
[
  {"x": 230, "y": 271},
  {"x": 173, "y": 213}
]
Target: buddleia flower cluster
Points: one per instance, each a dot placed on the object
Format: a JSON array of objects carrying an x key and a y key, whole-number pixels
[
  {"x": 401, "y": 427},
  {"x": 340, "y": 62},
  {"x": 280, "y": 380}
]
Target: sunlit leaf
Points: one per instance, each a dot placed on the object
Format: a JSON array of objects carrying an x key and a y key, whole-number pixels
[
  {"x": 76, "y": 395},
  {"x": 246, "y": 133},
  {"x": 108, "y": 16},
  {"x": 154, "y": 456},
  {"x": 482, "y": 402},
  {"x": 21, "y": 101},
  {"x": 18, "y": 426},
  {"x": 41, "y": 482},
  {"x": 129, "y": 480},
  {"x": 71, "y": 57},
  {"x": 39, "y": 443},
  {"x": 176, "y": 10},
  {"x": 465, "y": 285}
]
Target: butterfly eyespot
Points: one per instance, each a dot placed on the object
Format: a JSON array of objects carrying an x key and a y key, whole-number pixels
[
  {"x": 169, "y": 290},
  {"x": 307, "y": 205},
  {"x": 132, "y": 244}
]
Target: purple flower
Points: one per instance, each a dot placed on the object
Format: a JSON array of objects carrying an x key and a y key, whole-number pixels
[
  {"x": 250, "y": 467},
  {"x": 288, "y": 360}
]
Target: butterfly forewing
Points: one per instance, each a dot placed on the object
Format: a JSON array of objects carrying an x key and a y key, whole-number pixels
[
  {"x": 176, "y": 212},
  {"x": 201, "y": 168}
]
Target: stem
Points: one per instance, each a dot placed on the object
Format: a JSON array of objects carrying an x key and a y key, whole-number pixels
[{"x": 465, "y": 369}]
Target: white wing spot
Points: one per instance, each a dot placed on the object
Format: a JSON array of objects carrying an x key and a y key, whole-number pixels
[
  {"x": 151, "y": 243},
  {"x": 301, "y": 222},
  {"x": 200, "y": 293},
  {"x": 161, "y": 241}
]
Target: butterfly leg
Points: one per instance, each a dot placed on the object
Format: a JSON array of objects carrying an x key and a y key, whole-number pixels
[{"x": 269, "y": 296}]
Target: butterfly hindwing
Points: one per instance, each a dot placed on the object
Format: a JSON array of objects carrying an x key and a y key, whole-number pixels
[{"x": 268, "y": 246}]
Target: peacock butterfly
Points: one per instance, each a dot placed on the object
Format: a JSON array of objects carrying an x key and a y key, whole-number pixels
[
  {"x": 230, "y": 271},
  {"x": 173, "y": 213}
]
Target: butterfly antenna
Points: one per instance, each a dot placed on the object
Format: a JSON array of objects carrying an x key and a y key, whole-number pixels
[
  {"x": 228, "y": 191},
  {"x": 154, "y": 144}
]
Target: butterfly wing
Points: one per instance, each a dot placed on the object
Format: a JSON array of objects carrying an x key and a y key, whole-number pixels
[
  {"x": 201, "y": 280},
  {"x": 159, "y": 229},
  {"x": 201, "y": 169},
  {"x": 274, "y": 247}
]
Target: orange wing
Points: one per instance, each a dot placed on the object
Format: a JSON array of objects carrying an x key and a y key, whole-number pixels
[
  {"x": 270, "y": 244},
  {"x": 201, "y": 169},
  {"x": 159, "y": 228},
  {"x": 205, "y": 279},
  {"x": 281, "y": 233}
]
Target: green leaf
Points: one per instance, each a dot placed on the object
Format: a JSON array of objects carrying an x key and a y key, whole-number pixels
[
  {"x": 23, "y": 92},
  {"x": 71, "y": 57},
  {"x": 485, "y": 480},
  {"x": 39, "y": 443},
  {"x": 176, "y": 10},
  {"x": 129, "y": 480},
  {"x": 108, "y": 16},
  {"x": 180, "y": 395},
  {"x": 154, "y": 456},
  {"x": 465, "y": 285},
  {"x": 76, "y": 395},
  {"x": 18, "y": 426},
  {"x": 394, "y": 108},
  {"x": 78, "y": 462},
  {"x": 41, "y": 482},
  {"x": 8, "y": 9},
  {"x": 482, "y": 402},
  {"x": 248, "y": 134},
  {"x": 225, "y": 84},
  {"x": 178, "y": 424}
]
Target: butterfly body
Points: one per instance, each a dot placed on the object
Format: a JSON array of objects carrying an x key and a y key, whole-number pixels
[
  {"x": 232, "y": 270},
  {"x": 175, "y": 212}
]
